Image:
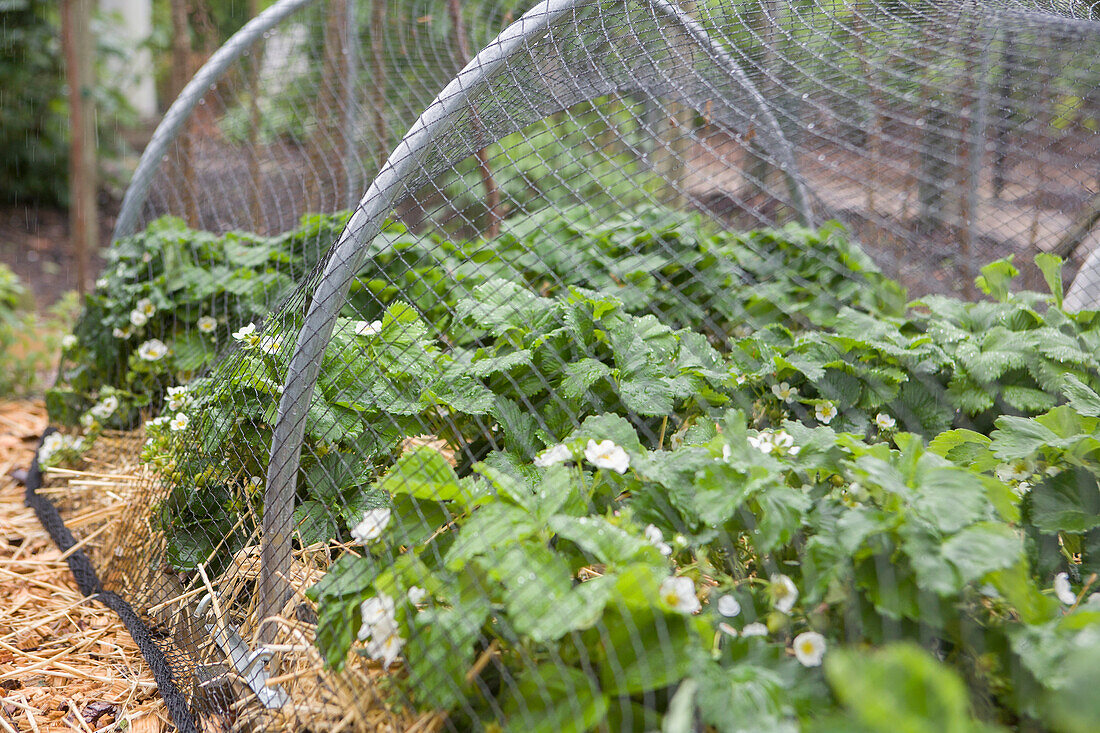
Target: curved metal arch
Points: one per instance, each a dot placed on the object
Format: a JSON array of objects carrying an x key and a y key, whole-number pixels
[
  {"x": 169, "y": 128},
  {"x": 350, "y": 250}
]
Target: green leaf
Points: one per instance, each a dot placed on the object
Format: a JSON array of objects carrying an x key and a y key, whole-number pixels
[
  {"x": 314, "y": 522},
  {"x": 552, "y": 698},
  {"x": 422, "y": 473},
  {"x": 780, "y": 517},
  {"x": 606, "y": 542},
  {"x": 1068, "y": 502},
  {"x": 490, "y": 365},
  {"x": 401, "y": 324},
  {"x": 581, "y": 375},
  {"x": 950, "y": 498},
  {"x": 1016, "y": 585},
  {"x": 644, "y": 650},
  {"x": 348, "y": 576},
  {"x": 519, "y": 427},
  {"x": 1051, "y": 267},
  {"x": 332, "y": 423},
  {"x": 745, "y": 698},
  {"x": 440, "y": 652},
  {"x": 499, "y": 305},
  {"x": 1018, "y": 437},
  {"x": 539, "y": 596},
  {"x": 327, "y": 479},
  {"x": 609, "y": 427},
  {"x": 489, "y": 527},
  {"x": 983, "y": 548},
  {"x": 338, "y": 623},
  {"x": 645, "y": 395},
  {"x": 1081, "y": 397},
  {"x": 996, "y": 277},
  {"x": 192, "y": 350},
  {"x": 960, "y": 446},
  {"x": 1027, "y": 399},
  {"x": 899, "y": 687},
  {"x": 466, "y": 395}
]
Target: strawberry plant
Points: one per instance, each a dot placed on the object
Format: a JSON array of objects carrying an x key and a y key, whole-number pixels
[{"x": 645, "y": 473}]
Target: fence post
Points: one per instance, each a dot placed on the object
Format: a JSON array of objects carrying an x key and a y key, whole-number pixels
[{"x": 76, "y": 37}]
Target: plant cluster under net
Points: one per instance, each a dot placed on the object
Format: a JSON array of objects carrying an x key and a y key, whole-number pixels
[{"x": 609, "y": 407}]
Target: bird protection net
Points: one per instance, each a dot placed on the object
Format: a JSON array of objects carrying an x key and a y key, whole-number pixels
[{"x": 701, "y": 365}]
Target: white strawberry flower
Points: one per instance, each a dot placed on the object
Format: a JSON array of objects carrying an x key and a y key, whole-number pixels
[
  {"x": 177, "y": 398},
  {"x": 379, "y": 629},
  {"x": 884, "y": 421},
  {"x": 1017, "y": 470},
  {"x": 785, "y": 392},
  {"x": 153, "y": 350},
  {"x": 754, "y": 629},
  {"x": 784, "y": 444},
  {"x": 606, "y": 454},
  {"x": 728, "y": 606},
  {"x": 105, "y": 408},
  {"x": 207, "y": 324},
  {"x": 657, "y": 539},
  {"x": 146, "y": 308},
  {"x": 825, "y": 412},
  {"x": 69, "y": 341},
  {"x": 762, "y": 442},
  {"x": 679, "y": 593},
  {"x": 138, "y": 319},
  {"x": 271, "y": 344},
  {"x": 50, "y": 445},
  {"x": 375, "y": 612},
  {"x": 1063, "y": 590},
  {"x": 247, "y": 336},
  {"x": 362, "y": 328},
  {"x": 416, "y": 595},
  {"x": 809, "y": 648},
  {"x": 553, "y": 455},
  {"x": 385, "y": 644},
  {"x": 784, "y": 592},
  {"x": 122, "y": 333},
  {"x": 372, "y": 524},
  {"x": 179, "y": 422}
]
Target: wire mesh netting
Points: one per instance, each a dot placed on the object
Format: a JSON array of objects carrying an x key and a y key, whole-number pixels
[{"x": 708, "y": 365}]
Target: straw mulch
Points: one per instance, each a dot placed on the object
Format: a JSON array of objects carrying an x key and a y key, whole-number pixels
[{"x": 66, "y": 662}]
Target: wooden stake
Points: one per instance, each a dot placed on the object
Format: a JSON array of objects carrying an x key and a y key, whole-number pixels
[
  {"x": 76, "y": 38},
  {"x": 326, "y": 148},
  {"x": 492, "y": 192},
  {"x": 378, "y": 80},
  {"x": 255, "y": 63},
  {"x": 181, "y": 74}
]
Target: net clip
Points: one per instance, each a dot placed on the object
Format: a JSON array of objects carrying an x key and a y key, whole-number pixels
[{"x": 249, "y": 664}]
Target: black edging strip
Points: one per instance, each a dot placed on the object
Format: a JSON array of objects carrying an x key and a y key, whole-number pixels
[{"x": 88, "y": 582}]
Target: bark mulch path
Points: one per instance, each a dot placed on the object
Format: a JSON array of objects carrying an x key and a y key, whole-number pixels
[{"x": 66, "y": 662}]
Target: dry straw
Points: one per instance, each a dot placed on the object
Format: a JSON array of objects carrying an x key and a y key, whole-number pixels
[{"x": 66, "y": 662}]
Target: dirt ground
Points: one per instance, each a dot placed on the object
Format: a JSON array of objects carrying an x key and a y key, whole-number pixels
[
  {"x": 66, "y": 662},
  {"x": 34, "y": 243}
]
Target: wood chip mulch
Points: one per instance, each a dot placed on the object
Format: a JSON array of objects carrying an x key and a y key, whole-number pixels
[{"x": 66, "y": 662}]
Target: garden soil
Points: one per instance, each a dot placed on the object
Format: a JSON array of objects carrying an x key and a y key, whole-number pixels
[{"x": 66, "y": 662}]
